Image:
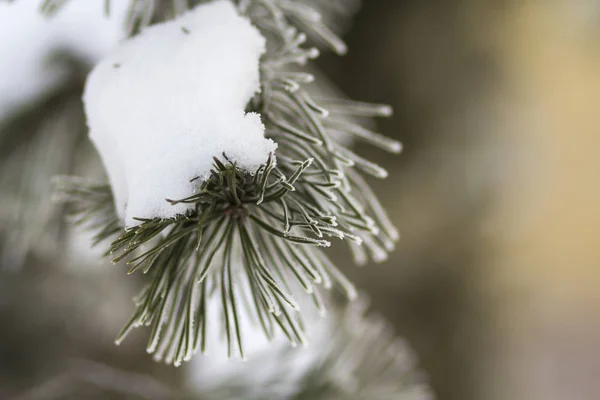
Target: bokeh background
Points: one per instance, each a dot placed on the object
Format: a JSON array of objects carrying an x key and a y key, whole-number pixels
[{"x": 497, "y": 195}]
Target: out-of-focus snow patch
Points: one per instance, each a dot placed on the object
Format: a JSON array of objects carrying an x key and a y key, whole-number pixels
[
  {"x": 28, "y": 39},
  {"x": 271, "y": 369},
  {"x": 167, "y": 101}
]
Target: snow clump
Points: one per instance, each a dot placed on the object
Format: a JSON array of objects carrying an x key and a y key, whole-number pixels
[{"x": 167, "y": 101}]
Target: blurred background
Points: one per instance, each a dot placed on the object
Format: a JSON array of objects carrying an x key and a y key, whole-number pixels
[{"x": 497, "y": 193}]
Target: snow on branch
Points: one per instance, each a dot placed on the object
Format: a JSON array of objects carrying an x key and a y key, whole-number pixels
[
  {"x": 168, "y": 100},
  {"x": 250, "y": 209}
]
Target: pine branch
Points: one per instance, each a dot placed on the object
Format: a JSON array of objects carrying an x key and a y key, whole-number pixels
[
  {"x": 263, "y": 232},
  {"x": 364, "y": 360},
  {"x": 188, "y": 255},
  {"x": 35, "y": 145},
  {"x": 353, "y": 356}
]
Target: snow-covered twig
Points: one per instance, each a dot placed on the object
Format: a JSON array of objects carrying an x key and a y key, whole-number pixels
[{"x": 262, "y": 229}]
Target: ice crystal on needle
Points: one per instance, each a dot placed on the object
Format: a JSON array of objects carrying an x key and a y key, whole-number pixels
[{"x": 168, "y": 100}]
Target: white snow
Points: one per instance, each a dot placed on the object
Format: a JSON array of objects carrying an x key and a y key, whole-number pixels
[
  {"x": 28, "y": 40},
  {"x": 265, "y": 359},
  {"x": 168, "y": 100}
]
